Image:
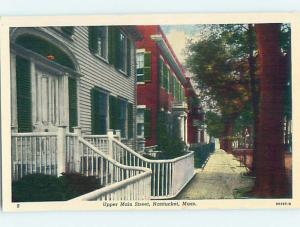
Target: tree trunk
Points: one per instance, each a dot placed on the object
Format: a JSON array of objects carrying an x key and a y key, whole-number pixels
[
  {"x": 254, "y": 91},
  {"x": 227, "y": 135},
  {"x": 270, "y": 171}
]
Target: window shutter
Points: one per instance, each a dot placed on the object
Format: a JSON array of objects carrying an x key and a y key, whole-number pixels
[
  {"x": 147, "y": 123},
  {"x": 113, "y": 45},
  {"x": 168, "y": 80},
  {"x": 161, "y": 72},
  {"x": 72, "y": 103},
  {"x": 93, "y": 39},
  {"x": 147, "y": 66},
  {"x": 130, "y": 120},
  {"x": 114, "y": 112},
  {"x": 95, "y": 112},
  {"x": 23, "y": 77},
  {"x": 165, "y": 77},
  {"x": 128, "y": 57}
]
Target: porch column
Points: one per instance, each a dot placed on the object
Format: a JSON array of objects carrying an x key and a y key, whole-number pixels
[
  {"x": 64, "y": 100},
  {"x": 33, "y": 93},
  {"x": 61, "y": 150},
  {"x": 13, "y": 81},
  {"x": 77, "y": 152},
  {"x": 110, "y": 136},
  {"x": 185, "y": 130}
]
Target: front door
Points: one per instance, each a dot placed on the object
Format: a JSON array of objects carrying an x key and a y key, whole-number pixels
[{"x": 48, "y": 100}]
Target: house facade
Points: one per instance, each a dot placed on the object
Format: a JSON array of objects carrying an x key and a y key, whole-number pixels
[
  {"x": 162, "y": 90},
  {"x": 74, "y": 77}
]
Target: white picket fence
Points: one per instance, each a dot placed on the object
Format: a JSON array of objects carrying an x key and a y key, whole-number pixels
[{"x": 124, "y": 173}]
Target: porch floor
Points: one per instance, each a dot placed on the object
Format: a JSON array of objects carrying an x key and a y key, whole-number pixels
[{"x": 218, "y": 180}]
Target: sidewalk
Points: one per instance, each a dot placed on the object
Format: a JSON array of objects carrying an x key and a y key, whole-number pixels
[{"x": 221, "y": 175}]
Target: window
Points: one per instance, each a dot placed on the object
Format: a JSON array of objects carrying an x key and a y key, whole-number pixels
[
  {"x": 121, "y": 116},
  {"x": 140, "y": 122},
  {"x": 140, "y": 67},
  {"x": 98, "y": 42},
  {"x": 99, "y": 112},
  {"x": 143, "y": 66}
]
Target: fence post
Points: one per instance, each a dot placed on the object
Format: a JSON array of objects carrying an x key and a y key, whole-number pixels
[
  {"x": 61, "y": 150},
  {"x": 118, "y": 134},
  {"x": 77, "y": 131},
  {"x": 110, "y": 136}
]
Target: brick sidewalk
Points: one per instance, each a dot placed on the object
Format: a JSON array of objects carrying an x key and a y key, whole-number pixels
[{"x": 221, "y": 175}]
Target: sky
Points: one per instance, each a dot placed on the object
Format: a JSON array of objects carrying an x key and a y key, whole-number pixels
[{"x": 178, "y": 35}]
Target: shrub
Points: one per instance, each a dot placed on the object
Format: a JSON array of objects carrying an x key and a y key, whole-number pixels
[{"x": 39, "y": 187}]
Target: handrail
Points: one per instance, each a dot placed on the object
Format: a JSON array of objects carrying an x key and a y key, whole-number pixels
[
  {"x": 95, "y": 194},
  {"x": 150, "y": 160},
  {"x": 168, "y": 177},
  {"x": 112, "y": 160},
  {"x": 95, "y": 136},
  {"x": 27, "y": 134}
]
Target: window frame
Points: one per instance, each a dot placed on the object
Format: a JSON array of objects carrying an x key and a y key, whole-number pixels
[
  {"x": 138, "y": 75},
  {"x": 97, "y": 53}
]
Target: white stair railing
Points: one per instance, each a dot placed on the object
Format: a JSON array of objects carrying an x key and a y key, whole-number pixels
[
  {"x": 99, "y": 141},
  {"x": 168, "y": 176},
  {"x": 121, "y": 182}
]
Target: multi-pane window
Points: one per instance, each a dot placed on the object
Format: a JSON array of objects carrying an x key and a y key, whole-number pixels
[
  {"x": 98, "y": 42},
  {"x": 140, "y": 122},
  {"x": 121, "y": 116},
  {"x": 140, "y": 67}
]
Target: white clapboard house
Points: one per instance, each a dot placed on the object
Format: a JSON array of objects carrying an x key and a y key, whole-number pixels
[{"x": 73, "y": 109}]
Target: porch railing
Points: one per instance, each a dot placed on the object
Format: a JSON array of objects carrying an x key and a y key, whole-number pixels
[
  {"x": 34, "y": 152},
  {"x": 168, "y": 176}
]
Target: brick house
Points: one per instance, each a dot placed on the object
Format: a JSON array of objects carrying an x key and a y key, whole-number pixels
[{"x": 162, "y": 90}]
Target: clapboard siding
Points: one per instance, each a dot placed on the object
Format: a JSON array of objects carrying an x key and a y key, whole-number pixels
[{"x": 96, "y": 72}]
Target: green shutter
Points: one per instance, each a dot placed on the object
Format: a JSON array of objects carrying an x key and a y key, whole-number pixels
[
  {"x": 168, "y": 85},
  {"x": 72, "y": 103},
  {"x": 147, "y": 123},
  {"x": 114, "y": 112},
  {"x": 128, "y": 57},
  {"x": 113, "y": 43},
  {"x": 93, "y": 36},
  {"x": 161, "y": 72},
  {"x": 95, "y": 112},
  {"x": 147, "y": 66},
  {"x": 24, "y": 103},
  {"x": 165, "y": 82},
  {"x": 130, "y": 120}
]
